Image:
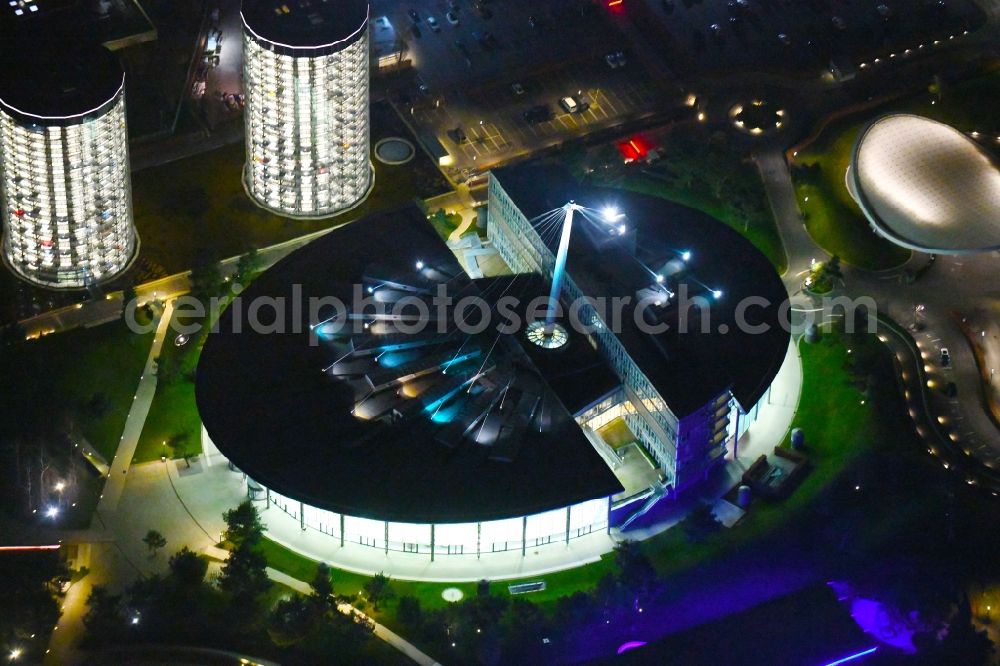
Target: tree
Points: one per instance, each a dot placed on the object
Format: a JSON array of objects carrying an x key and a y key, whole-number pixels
[
  {"x": 243, "y": 524},
  {"x": 244, "y": 576},
  {"x": 322, "y": 587},
  {"x": 104, "y": 618},
  {"x": 168, "y": 368},
  {"x": 291, "y": 620},
  {"x": 129, "y": 295},
  {"x": 206, "y": 277},
  {"x": 636, "y": 575},
  {"x": 379, "y": 588},
  {"x": 183, "y": 448},
  {"x": 29, "y": 605},
  {"x": 97, "y": 405},
  {"x": 187, "y": 568},
  {"x": 248, "y": 266},
  {"x": 524, "y": 625},
  {"x": 963, "y": 644},
  {"x": 700, "y": 524},
  {"x": 409, "y": 612},
  {"x": 154, "y": 541}
]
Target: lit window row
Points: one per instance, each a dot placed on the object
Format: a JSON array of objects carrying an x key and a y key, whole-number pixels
[{"x": 67, "y": 199}]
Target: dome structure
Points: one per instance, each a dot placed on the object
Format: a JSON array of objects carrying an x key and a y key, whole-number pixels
[{"x": 926, "y": 186}]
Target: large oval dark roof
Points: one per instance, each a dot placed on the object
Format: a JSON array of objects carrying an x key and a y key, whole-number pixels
[
  {"x": 296, "y": 27},
  {"x": 271, "y": 410},
  {"x": 58, "y": 84}
]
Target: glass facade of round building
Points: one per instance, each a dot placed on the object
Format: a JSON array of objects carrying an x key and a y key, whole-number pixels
[
  {"x": 307, "y": 127},
  {"x": 67, "y": 196}
]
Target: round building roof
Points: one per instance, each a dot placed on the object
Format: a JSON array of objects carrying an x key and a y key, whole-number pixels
[
  {"x": 305, "y": 27},
  {"x": 926, "y": 186},
  {"x": 58, "y": 85},
  {"x": 366, "y": 416},
  {"x": 377, "y": 423}
]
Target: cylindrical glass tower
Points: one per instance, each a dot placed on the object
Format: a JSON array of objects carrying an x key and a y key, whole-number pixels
[
  {"x": 64, "y": 169},
  {"x": 305, "y": 71}
]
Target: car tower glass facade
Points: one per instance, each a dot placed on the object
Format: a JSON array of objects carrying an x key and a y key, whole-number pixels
[
  {"x": 67, "y": 198},
  {"x": 307, "y": 122}
]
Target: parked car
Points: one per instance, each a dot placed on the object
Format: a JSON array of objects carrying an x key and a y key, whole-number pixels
[
  {"x": 452, "y": 17},
  {"x": 569, "y": 104},
  {"x": 457, "y": 135},
  {"x": 433, "y": 24},
  {"x": 517, "y": 88},
  {"x": 945, "y": 357}
]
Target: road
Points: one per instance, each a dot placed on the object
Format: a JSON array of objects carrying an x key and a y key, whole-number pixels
[
  {"x": 952, "y": 285},
  {"x": 134, "y": 422},
  {"x": 143, "y": 497},
  {"x": 101, "y": 310}
]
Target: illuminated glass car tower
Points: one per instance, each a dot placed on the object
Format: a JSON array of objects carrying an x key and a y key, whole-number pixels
[
  {"x": 305, "y": 71},
  {"x": 64, "y": 169}
]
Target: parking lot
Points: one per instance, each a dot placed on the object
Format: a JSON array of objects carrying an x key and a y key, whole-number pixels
[
  {"x": 793, "y": 36},
  {"x": 475, "y": 106}
]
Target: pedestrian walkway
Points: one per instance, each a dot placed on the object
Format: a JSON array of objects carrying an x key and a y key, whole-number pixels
[{"x": 135, "y": 421}]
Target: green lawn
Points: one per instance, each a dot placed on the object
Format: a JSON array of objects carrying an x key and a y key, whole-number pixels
[
  {"x": 173, "y": 415},
  {"x": 831, "y": 216},
  {"x": 199, "y": 202},
  {"x": 838, "y": 428},
  {"x": 58, "y": 374},
  {"x": 833, "y": 219},
  {"x": 445, "y": 223},
  {"x": 66, "y": 383},
  {"x": 346, "y": 582}
]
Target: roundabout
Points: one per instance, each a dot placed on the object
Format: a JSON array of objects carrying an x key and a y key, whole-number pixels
[{"x": 757, "y": 117}]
